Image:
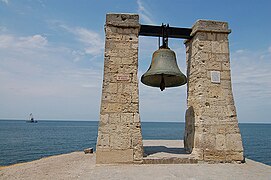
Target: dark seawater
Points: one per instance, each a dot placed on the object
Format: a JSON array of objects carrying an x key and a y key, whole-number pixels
[{"x": 22, "y": 142}]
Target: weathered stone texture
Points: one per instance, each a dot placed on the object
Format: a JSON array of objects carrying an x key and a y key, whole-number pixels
[
  {"x": 119, "y": 135},
  {"x": 212, "y": 132}
]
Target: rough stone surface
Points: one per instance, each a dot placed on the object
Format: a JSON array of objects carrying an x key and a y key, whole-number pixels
[
  {"x": 119, "y": 135},
  {"x": 166, "y": 152},
  {"x": 211, "y": 132},
  {"x": 78, "y": 165}
]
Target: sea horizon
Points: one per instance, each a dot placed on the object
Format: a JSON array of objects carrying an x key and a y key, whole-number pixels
[
  {"x": 82, "y": 120},
  {"x": 53, "y": 137}
]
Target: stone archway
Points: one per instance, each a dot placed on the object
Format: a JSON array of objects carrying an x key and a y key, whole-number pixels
[{"x": 212, "y": 132}]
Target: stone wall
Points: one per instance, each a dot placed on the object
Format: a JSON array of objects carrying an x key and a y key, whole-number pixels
[
  {"x": 211, "y": 132},
  {"x": 119, "y": 134}
]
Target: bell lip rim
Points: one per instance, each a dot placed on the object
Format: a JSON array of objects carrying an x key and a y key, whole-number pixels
[
  {"x": 166, "y": 86},
  {"x": 181, "y": 84}
]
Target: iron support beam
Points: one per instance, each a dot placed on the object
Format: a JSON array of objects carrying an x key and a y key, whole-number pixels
[{"x": 172, "y": 32}]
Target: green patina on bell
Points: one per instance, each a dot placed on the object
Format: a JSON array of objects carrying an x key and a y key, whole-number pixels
[{"x": 163, "y": 71}]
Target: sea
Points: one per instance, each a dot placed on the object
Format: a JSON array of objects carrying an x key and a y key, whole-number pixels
[{"x": 23, "y": 142}]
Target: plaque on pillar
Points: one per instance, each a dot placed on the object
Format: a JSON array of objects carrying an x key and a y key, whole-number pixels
[{"x": 215, "y": 77}]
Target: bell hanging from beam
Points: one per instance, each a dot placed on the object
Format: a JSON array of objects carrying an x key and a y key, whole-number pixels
[{"x": 164, "y": 71}]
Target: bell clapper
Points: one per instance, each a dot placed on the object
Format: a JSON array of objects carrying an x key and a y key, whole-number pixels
[{"x": 162, "y": 84}]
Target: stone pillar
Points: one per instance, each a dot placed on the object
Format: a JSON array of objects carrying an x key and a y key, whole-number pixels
[
  {"x": 211, "y": 132},
  {"x": 119, "y": 134}
]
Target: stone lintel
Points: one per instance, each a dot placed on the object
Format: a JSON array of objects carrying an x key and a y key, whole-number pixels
[
  {"x": 210, "y": 26},
  {"x": 122, "y": 20}
]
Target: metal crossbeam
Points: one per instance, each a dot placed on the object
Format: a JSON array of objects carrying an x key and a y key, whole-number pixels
[{"x": 172, "y": 32}]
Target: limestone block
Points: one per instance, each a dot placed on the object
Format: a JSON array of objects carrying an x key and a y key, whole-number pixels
[
  {"x": 225, "y": 66},
  {"x": 220, "y": 47},
  {"x": 210, "y": 26},
  {"x": 129, "y": 60},
  {"x": 136, "y": 138},
  {"x": 114, "y": 156},
  {"x": 214, "y": 113},
  {"x": 211, "y": 36},
  {"x": 103, "y": 141},
  {"x": 234, "y": 142},
  {"x": 136, "y": 118},
  {"x": 122, "y": 20},
  {"x": 131, "y": 108},
  {"x": 120, "y": 139},
  {"x": 127, "y": 69},
  {"x": 233, "y": 128},
  {"x": 127, "y": 52},
  {"x": 114, "y": 118},
  {"x": 214, "y": 65},
  {"x": 197, "y": 153},
  {"x": 225, "y": 75},
  {"x": 231, "y": 111},
  {"x": 104, "y": 128},
  {"x": 117, "y": 98},
  {"x": 124, "y": 98},
  {"x": 202, "y": 36},
  {"x": 234, "y": 156},
  {"x": 220, "y": 142},
  {"x": 127, "y": 118},
  {"x": 135, "y": 97},
  {"x": 104, "y": 119},
  {"x": 205, "y": 141},
  {"x": 222, "y": 37},
  {"x": 214, "y": 91},
  {"x": 111, "y": 107},
  {"x": 222, "y": 57},
  {"x": 226, "y": 85},
  {"x": 214, "y": 156},
  {"x": 205, "y": 46},
  {"x": 138, "y": 153},
  {"x": 110, "y": 88},
  {"x": 111, "y": 67}
]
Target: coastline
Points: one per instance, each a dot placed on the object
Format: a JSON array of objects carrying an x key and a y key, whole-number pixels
[{"x": 77, "y": 165}]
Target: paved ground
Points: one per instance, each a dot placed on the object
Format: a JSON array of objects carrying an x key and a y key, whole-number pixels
[{"x": 78, "y": 165}]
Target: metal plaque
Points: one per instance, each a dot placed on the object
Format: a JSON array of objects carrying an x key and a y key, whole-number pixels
[{"x": 215, "y": 76}]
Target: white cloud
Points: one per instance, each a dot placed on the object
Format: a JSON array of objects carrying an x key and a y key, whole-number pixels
[
  {"x": 3, "y": 29},
  {"x": 35, "y": 41},
  {"x": 144, "y": 13},
  {"x": 251, "y": 84},
  {"x": 93, "y": 42},
  {"x": 36, "y": 75},
  {"x": 251, "y": 75}
]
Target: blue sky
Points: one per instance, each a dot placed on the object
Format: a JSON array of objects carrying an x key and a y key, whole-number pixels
[{"x": 51, "y": 56}]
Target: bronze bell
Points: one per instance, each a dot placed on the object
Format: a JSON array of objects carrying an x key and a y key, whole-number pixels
[{"x": 163, "y": 71}]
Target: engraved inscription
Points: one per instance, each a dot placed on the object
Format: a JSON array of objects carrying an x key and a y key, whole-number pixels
[{"x": 123, "y": 77}]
